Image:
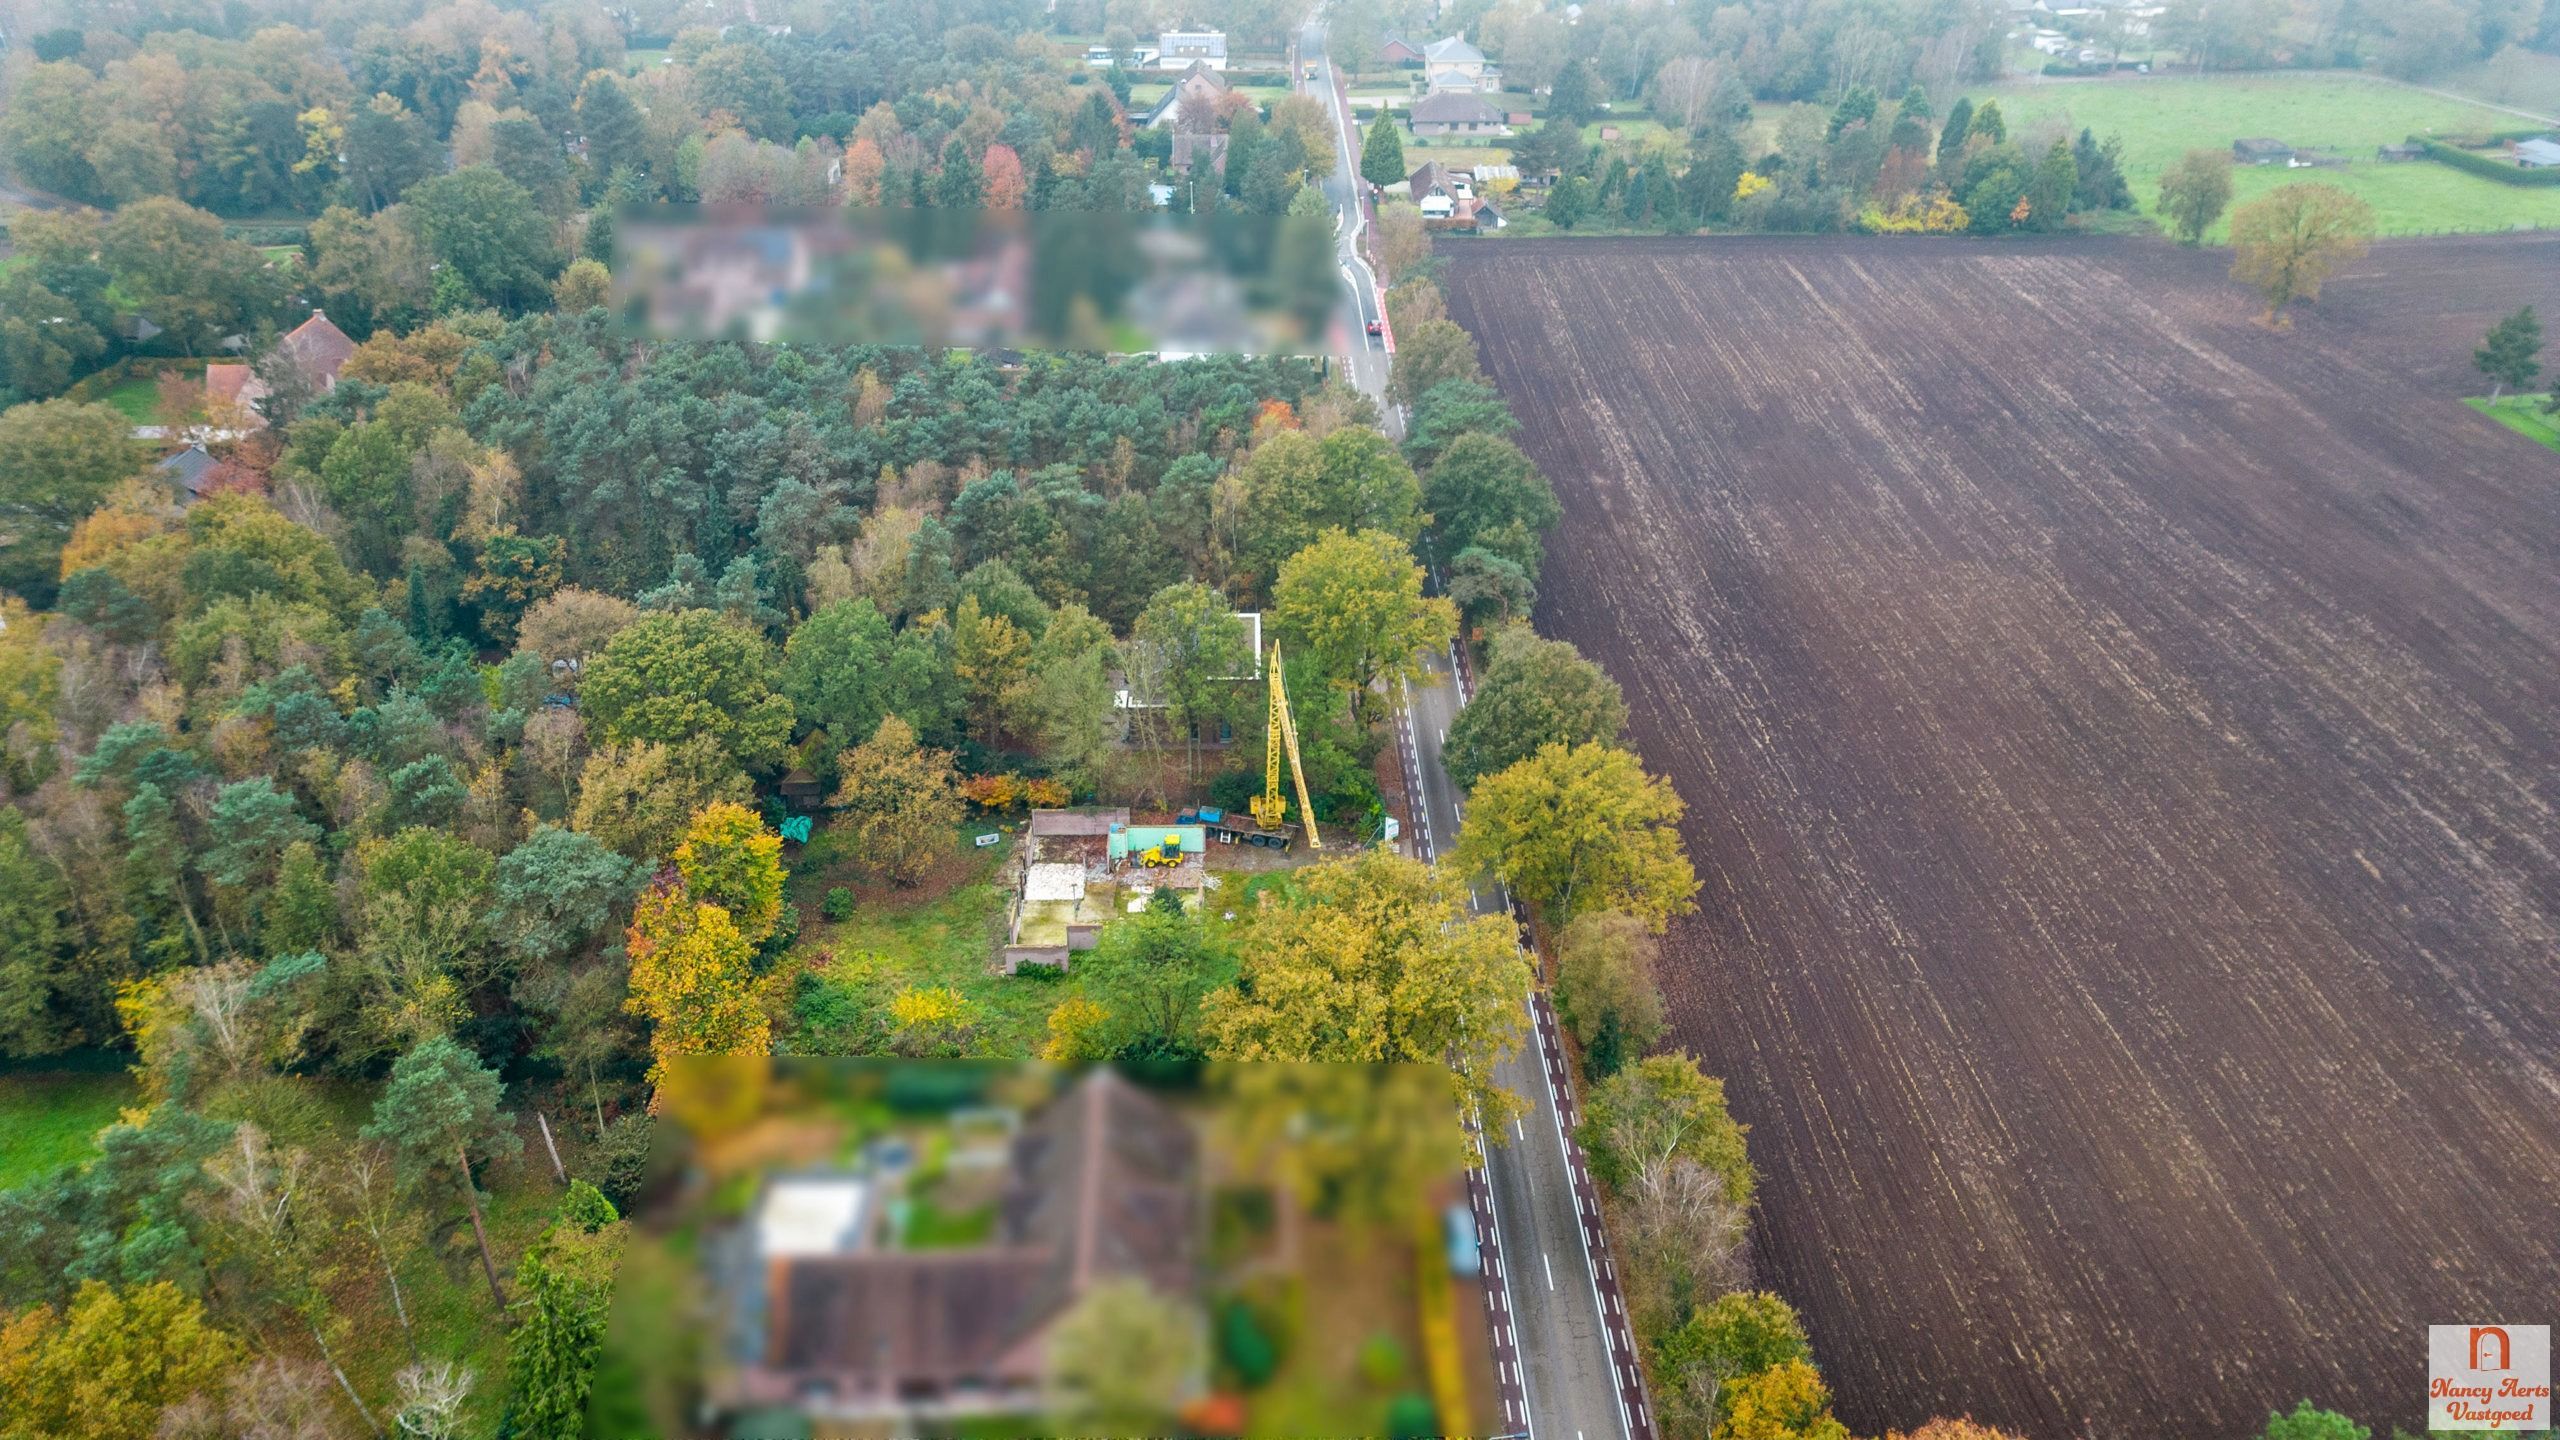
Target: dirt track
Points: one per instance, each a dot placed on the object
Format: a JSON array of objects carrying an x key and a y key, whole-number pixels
[{"x": 2121, "y": 749}]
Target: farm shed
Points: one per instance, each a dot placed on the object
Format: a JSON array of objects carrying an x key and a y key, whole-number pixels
[
  {"x": 2261, "y": 151},
  {"x": 2538, "y": 154}
]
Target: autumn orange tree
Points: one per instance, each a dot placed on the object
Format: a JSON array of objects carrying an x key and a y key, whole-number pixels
[
  {"x": 111, "y": 1363},
  {"x": 1943, "y": 1429},
  {"x": 1376, "y": 958}
]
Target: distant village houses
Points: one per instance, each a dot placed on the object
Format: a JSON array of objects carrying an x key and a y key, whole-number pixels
[
  {"x": 1199, "y": 81},
  {"x": 1178, "y": 49},
  {"x": 1453, "y": 64},
  {"x": 1445, "y": 112}
]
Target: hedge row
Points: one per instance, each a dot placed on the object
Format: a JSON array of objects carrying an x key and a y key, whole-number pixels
[{"x": 2501, "y": 171}]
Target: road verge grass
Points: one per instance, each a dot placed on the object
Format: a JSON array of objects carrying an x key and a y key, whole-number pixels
[{"x": 2524, "y": 414}]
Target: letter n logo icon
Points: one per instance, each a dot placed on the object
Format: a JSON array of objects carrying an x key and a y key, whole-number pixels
[{"x": 2481, "y": 1338}]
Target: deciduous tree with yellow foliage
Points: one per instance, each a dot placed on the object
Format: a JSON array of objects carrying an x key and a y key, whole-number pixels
[
  {"x": 693, "y": 979},
  {"x": 900, "y": 801},
  {"x": 105, "y": 1368},
  {"x": 729, "y": 859},
  {"x": 1376, "y": 958},
  {"x": 1582, "y": 828},
  {"x": 1787, "y": 1401}
]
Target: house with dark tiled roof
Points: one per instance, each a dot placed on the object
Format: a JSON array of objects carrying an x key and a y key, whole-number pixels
[
  {"x": 1101, "y": 1186},
  {"x": 187, "y": 472},
  {"x": 1434, "y": 190},
  {"x": 1454, "y": 112}
]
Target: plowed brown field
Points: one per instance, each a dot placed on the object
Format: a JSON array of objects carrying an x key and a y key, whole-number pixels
[{"x": 2122, "y": 748}]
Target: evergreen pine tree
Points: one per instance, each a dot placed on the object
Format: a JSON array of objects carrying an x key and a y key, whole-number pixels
[
  {"x": 617, "y": 137},
  {"x": 959, "y": 186},
  {"x": 1959, "y": 126},
  {"x": 2057, "y": 179},
  {"x": 1382, "y": 153}
]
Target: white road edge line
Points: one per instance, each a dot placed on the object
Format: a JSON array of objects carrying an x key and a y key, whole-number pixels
[
  {"x": 1495, "y": 1210},
  {"x": 1591, "y": 1267}
]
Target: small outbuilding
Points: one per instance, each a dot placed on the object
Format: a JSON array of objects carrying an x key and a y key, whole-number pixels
[
  {"x": 2261, "y": 151},
  {"x": 187, "y": 472},
  {"x": 2538, "y": 154}
]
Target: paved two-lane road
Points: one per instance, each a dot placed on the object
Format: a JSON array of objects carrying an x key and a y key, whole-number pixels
[
  {"x": 1562, "y": 1342},
  {"x": 1563, "y": 1353},
  {"x": 1369, "y": 358}
]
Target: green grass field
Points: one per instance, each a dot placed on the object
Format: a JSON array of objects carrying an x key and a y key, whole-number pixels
[
  {"x": 2344, "y": 116},
  {"x": 1638, "y": 134},
  {"x": 2524, "y": 414},
  {"x": 946, "y": 933},
  {"x": 138, "y": 397},
  {"x": 892, "y": 943},
  {"x": 51, "y": 1120}
]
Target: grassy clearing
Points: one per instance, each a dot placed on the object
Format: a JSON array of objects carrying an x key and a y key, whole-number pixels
[
  {"x": 2160, "y": 119},
  {"x": 138, "y": 397},
  {"x": 1637, "y": 135},
  {"x": 944, "y": 932},
  {"x": 1456, "y": 154},
  {"x": 2524, "y": 414},
  {"x": 641, "y": 62},
  {"x": 50, "y": 1120}
]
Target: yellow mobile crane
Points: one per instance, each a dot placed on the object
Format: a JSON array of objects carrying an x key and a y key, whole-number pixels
[{"x": 1269, "y": 810}]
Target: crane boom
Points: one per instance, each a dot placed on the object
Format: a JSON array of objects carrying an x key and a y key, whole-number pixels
[{"x": 1269, "y": 809}]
